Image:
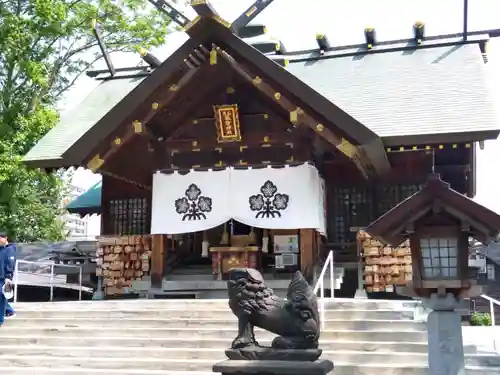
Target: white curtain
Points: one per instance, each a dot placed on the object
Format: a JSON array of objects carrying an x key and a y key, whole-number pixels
[
  {"x": 192, "y": 202},
  {"x": 278, "y": 198},
  {"x": 269, "y": 198}
]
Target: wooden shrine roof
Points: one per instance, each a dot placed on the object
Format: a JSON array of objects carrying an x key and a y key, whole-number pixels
[
  {"x": 438, "y": 94},
  {"x": 435, "y": 194},
  {"x": 174, "y": 70},
  {"x": 396, "y": 95},
  {"x": 73, "y": 124}
]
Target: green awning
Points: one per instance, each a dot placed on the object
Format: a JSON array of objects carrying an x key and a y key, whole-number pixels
[{"x": 88, "y": 203}]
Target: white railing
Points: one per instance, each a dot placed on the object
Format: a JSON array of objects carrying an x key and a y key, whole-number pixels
[
  {"x": 40, "y": 277},
  {"x": 320, "y": 285},
  {"x": 492, "y": 302}
]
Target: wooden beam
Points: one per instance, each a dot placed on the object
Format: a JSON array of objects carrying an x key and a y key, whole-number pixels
[
  {"x": 307, "y": 253},
  {"x": 138, "y": 126},
  {"x": 280, "y": 154},
  {"x": 400, "y": 229},
  {"x": 250, "y": 140},
  {"x": 102, "y": 46},
  {"x": 203, "y": 8},
  {"x": 203, "y": 127},
  {"x": 466, "y": 218},
  {"x": 124, "y": 179},
  {"x": 299, "y": 116},
  {"x": 171, "y": 12},
  {"x": 242, "y": 116},
  {"x": 374, "y": 152},
  {"x": 249, "y": 14}
]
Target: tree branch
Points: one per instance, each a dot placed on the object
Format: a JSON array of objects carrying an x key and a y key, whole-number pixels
[{"x": 75, "y": 78}]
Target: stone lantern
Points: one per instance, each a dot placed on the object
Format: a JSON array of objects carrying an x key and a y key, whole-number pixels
[{"x": 439, "y": 222}]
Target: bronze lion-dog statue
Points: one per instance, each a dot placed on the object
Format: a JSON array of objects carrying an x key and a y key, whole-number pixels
[{"x": 295, "y": 319}]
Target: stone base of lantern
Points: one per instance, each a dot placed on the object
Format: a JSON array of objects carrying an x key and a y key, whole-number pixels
[{"x": 444, "y": 327}]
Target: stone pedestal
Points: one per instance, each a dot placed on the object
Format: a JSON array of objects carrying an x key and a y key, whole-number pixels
[
  {"x": 360, "y": 294},
  {"x": 319, "y": 367},
  {"x": 99, "y": 292},
  {"x": 360, "y": 291},
  {"x": 444, "y": 327}
]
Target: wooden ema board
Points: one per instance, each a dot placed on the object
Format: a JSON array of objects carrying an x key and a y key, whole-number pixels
[
  {"x": 123, "y": 260},
  {"x": 384, "y": 266}
]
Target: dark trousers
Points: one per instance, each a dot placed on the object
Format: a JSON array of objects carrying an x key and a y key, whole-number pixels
[
  {"x": 9, "y": 310},
  {"x": 3, "y": 304}
]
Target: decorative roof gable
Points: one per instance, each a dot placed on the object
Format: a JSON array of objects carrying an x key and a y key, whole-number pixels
[{"x": 435, "y": 196}]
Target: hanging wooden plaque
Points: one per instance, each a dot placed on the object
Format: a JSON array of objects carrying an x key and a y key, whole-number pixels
[{"x": 227, "y": 123}]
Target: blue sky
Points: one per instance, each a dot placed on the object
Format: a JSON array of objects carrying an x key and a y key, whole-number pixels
[{"x": 344, "y": 22}]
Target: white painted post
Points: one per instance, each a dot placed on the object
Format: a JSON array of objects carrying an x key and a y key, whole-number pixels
[
  {"x": 493, "y": 323},
  {"x": 322, "y": 305},
  {"x": 492, "y": 313},
  {"x": 332, "y": 283}
]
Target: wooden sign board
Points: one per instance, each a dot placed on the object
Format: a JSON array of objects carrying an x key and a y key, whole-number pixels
[{"x": 227, "y": 123}]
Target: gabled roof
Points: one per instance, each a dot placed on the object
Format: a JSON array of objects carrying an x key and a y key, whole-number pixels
[
  {"x": 438, "y": 94},
  {"x": 351, "y": 128},
  {"x": 207, "y": 30},
  {"x": 75, "y": 123},
  {"x": 122, "y": 111},
  {"x": 391, "y": 227}
]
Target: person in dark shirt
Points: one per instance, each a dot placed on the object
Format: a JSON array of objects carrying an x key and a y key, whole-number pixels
[
  {"x": 9, "y": 311},
  {"x": 7, "y": 265}
]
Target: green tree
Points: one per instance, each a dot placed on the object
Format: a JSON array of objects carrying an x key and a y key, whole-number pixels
[{"x": 45, "y": 46}]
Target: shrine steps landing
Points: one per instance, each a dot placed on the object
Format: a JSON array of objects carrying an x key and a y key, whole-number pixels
[{"x": 199, "y": 282}]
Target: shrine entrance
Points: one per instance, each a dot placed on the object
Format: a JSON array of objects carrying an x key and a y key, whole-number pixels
[{"x": 238, "y": 218}]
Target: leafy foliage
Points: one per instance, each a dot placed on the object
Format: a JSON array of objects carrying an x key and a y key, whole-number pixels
[
  {"x": 45, "y": 46},
  {"x": 480, "y": 319}
]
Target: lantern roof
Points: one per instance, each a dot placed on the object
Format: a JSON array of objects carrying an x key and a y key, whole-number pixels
[{"x": 436, "y": 196}]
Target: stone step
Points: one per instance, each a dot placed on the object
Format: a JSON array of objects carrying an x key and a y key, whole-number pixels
[
  {"x": 174, "y": 323},
  {"x": 197, "y": 282},
  {"x": 339, "y": 370},
  {"x": 131, "y": 343},
  {"x": 343, "y": 355},
  {"x": 197, "y": 313},
  {"x": 408, "y": 360},
  {"x": 185, "y": 304},
  {"x": 97, "y": 331}
]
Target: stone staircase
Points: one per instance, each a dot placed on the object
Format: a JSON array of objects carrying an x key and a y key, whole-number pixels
[{"x": 186, "y": 337}]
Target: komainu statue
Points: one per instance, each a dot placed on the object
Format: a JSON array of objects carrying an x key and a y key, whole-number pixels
[{"x": 295, "y": 320}]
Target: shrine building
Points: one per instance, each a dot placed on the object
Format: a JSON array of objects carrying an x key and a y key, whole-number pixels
[{"x": 229, "y": 154}]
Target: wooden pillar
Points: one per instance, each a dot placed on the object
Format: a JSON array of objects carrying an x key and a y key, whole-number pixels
[
  {"x": 157, "y": 260},
  {"x": 307, "y": 253},
  {"x": 106, "y": 225}
]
